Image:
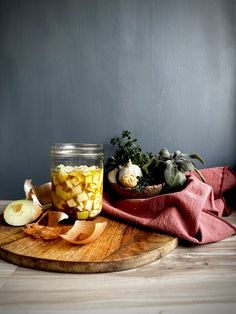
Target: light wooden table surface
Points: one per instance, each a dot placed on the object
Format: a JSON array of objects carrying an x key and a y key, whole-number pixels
[{"x": 196, "y": 279}]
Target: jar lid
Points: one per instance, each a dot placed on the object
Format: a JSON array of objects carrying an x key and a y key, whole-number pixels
[{"x": 76, "y": 149}]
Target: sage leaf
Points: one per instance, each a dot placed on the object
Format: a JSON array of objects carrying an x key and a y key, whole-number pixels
[
  {"x": 197, "y": 157},
  {"x": 179, "y": 180},
  {"x": 182, "y": 178},
  {"x": 185, "y": 165},
  {"x": 173, "y": 177},
  {"x": 164, "y": 153},
  {"x": 170, "y": 174}
]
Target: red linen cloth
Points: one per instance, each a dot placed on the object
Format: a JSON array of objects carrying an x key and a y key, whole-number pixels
[{"x": 193, "y": 214}]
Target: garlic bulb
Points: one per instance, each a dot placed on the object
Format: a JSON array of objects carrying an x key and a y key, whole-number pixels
[{"x": 128, "y": 175}]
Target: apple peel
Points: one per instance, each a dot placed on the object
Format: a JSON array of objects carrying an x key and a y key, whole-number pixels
[
  {"x": 41, "y": 195},
  {"x": 84, "y": 232},
  {"x": 54, "y": 217},
  {"x": 49, "y": 232},
  {"x": 39, "y": 231}
]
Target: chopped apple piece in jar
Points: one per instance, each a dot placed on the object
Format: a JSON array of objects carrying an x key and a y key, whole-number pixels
[{"x": 77, "y": 191}]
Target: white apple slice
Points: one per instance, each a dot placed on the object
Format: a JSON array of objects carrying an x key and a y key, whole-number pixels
[{"x": 21, "y": 212}]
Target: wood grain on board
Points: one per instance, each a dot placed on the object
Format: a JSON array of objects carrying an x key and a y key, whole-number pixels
[{"x": 120, "y": 247}]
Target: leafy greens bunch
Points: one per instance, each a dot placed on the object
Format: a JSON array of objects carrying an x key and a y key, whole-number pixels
[
  {"x": 129, "y": 149},
  {"x": 164, "y": 167}
]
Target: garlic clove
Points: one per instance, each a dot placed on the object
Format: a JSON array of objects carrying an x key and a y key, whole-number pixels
[{"x": 112, "y": 175}]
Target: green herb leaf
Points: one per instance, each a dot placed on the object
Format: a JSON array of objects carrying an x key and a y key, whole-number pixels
[
  {"x": 173, "y": 176},
  {"x": 170, "y": 174},
  {"x": 164, "y": 153},
  {"x": 185, "y": 165},
  {"x": 128, "y": 148},
  {"x": 197, "y": 157}
]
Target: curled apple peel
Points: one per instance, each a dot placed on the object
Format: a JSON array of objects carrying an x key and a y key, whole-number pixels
[
  {"x": 40, "y": 195},
  {"x": 84, "y": 232},
  {"x": 49, "y": 232}
]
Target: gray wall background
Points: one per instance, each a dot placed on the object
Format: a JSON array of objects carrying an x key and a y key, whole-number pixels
[{"x": 82, "y": 71}]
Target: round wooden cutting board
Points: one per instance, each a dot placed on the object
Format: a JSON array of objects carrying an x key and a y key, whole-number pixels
[{"x": 120, "y": 247}]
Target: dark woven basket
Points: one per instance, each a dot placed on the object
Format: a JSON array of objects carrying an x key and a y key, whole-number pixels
[
  {"x": 125, "y": 193},
  {"x": 149, "y": 191}
]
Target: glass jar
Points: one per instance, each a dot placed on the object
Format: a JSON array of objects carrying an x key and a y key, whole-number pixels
[{"x": 77, "y": 179}]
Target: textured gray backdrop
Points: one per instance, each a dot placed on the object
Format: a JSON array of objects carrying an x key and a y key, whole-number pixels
[{"x": 82, "y": 71}]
